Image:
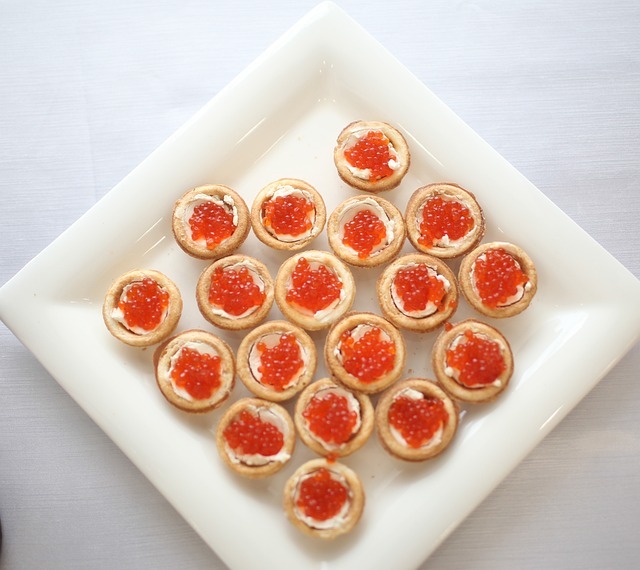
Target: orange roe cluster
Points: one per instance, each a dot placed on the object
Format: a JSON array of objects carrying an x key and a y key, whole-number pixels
[
  {"x": 371, "y": 152},
  {"x": 196, "y": 372},
  {"x": 330, "y": 418},
  {"x": 313, "y": 289},
  {"x": 478, "y": 358},
  {"x": 247, "y": 434},
  {"x": 320, "y": 496},
  {"x": 364, "y": 232},
  {"x": 417, "y": 286},
  {"x": 441, "y": 218},
  {"x": 497, "y": 276},
  {"x": 144, "y": 304},
  {"x": 234, "y": 291},
  {"x": 417, "y": 421},
  {"x": 288, "y": 215},
  {"x": 211, "y": 222},
  {"x": 368, "y": 358},
  {"x": 280, "y": 364}
]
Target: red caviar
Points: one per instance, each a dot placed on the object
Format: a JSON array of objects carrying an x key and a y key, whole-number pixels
[
  {"x": 441, "y": 218},
  {"x": 478, "y": 358},
  {"x": 234, "y": 291},
  {"x": 211, "y": 222},
  {"x": 288, "y": 215},
  {"x": 371, "y": 152},
  {"x": 247, "y": 434},
  {"x": 280, "y": 364},
  {"x": 497, "y": 276},
  {"x": 197, "y": 372},
  {"x": 320, "y": 496},
  {"x": 364, "y": 232},
  {"x": 368, "y": 358},
  {"x": 330, "y": 418},
  {"x": 417, "y": 286},
  {"x": 313, "y": 289},
  {"x": 144, "y": 304},
  {"x": 417, "y": 420}
]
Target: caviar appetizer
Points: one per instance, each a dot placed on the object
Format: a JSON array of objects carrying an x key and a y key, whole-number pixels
[
  {"x": 416, "y": 420},
  {"x": 314, "y": 289},
  {"x": 255, "y": 438},
  {"x": 235, "y": 292},
  {"x": 324, "y": 499},
  {"x": 288, "y": 214},
  {"x": 142, "y": 307},
  {"x": 210, "y": 221},
  {"x": 331, "y": 420},
  {"x": 371, "y": 156},
  {"x": 276, "y": 360},
  {"x": 417, "y": 292},
  {"x": 365, "y": 352},
  {"x": 444, "y": 220},
  {"x": 472, "y": 361},
  {"x": 195, "y": 371},
  {"x": 366, "y": 231},
  {"x": 498, "y": 279}
]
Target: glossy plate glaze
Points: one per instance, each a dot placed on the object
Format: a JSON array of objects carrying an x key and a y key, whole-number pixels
[{"x": 567, "y": 340}]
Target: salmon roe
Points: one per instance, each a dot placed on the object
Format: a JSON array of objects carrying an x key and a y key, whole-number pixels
[
  {"x": 371, "y": 152},
  {"x": 497, "y": 276},
  {"x": 417, "y": 286},
  {"x": 320, "y": 496},
  {"x": 364, "y": 232},
  {"x": 330, "y": 418},
  {"x": 442, "y": 218},
  {"x": 197, "y": 373},
  {"x": 234, "y": 291},
  {"x": 144, "y": 304},
  {"x": 288, "y": 215},
  {"x": 313, "y": 289},
  {"x": 368, "y": 358},
  {"x": 478, "y": 359},
  {"x": 417, "y": 421},
  {"x": 211, "y": 222},
  {"x": 280, "y": 364},
  {"x": 247, "y": 434}
]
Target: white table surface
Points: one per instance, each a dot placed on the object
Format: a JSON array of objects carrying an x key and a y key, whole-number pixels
[{"x": 89, "y": 89}]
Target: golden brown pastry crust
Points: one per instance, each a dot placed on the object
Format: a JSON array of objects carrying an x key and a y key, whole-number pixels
[
  {"x": 163, "y": 330},
  {"x": 335, "y": 366},
  {"x": 244, "y": 354},
  {"x": 396, "y": 139},
  {"x": 357, "y": 498},
  {"x": 456, "y": 390},
  {"x": 470, "y": 294},
  {"x": 413, "y": 218},
  {"x": 350, "y": 256},
  {"x": 227, "y": 246},
  {"x": 268, "y": 238}
]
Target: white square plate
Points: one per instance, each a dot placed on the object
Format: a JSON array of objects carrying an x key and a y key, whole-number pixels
[{"x": 279, "y": 119}]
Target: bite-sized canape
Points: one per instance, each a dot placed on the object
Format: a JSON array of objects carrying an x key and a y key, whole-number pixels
[
  {"x": 365, "y": 352},
  {"x": 416, "y": 420},
  {"x": 472, "y": 361},
  {"x": 371, "y": 156},
  {"x": 332, "y": 420},
  {"x": 444, "y": 220},
  {"x": 255, "y": 438},
  {"x": 366, "y": 231},
  {"x": 276, "y": 360},
  {"x": 195, "y": 371},
  {"x": 324, "y": 499},
  {"x": 210, "y": 221},
  {"x": 235, "y": 292},
  {"x": 498, "y": 279},
  {"x": 417, "y": 292},
  {"x": 288, "y": 214},
  {"x": 142, "y": 307},
  {"x": 314, "y": 289}
]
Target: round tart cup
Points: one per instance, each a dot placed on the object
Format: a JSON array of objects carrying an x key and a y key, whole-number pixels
[
  {"x": 320, "y": 319},
  {"x": 472, "y": 395},
  {"x": 287, "y": 242},
  {"x": 222, "y": 319},
  {"x": 345, "y": 169},
  {"x": 334, "y": 361},
  {"x": 203, "y": 342},
  {"x": 415, "y": 323},
  {"x": 154, "y": 336},
  {"x": 247, "y": 364},
  {"x": 264, "y": 465},
  {"x": 184, "y": 207},
  {"x": 360, "y": 404},
  {"x": 444, "y": 249},
  {"x": 394, "y": 445},
  {"x": 466, "y": 278},
  {"x": 385, "y": 211},
  {"x": 342, "y": 524}
]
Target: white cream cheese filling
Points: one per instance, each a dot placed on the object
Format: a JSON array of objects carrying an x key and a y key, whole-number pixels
[
  {"x": 520, "y": 289},
  {"x": 431, "y": 307},
  {"x": 186, "y": 211},
  {"x": 118, "y": 315},
  {"x": 202, "y": 348},
  {"x": 271, "y": 340},
  {"x": 287, "y": 190},
  {"x": 435, "y": 440},
  {"x": 455, "y": 373},
  {"x": 365, "y": 173},
  {"x": 255, "y": 275},
  {"x": 334, "y": 522},
  {"x": 366, "y": 204}
]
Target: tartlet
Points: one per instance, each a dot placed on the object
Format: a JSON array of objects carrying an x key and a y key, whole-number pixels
[
  {"x": 357, "y": 142},
  {"x": 142, "y": 307}
]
